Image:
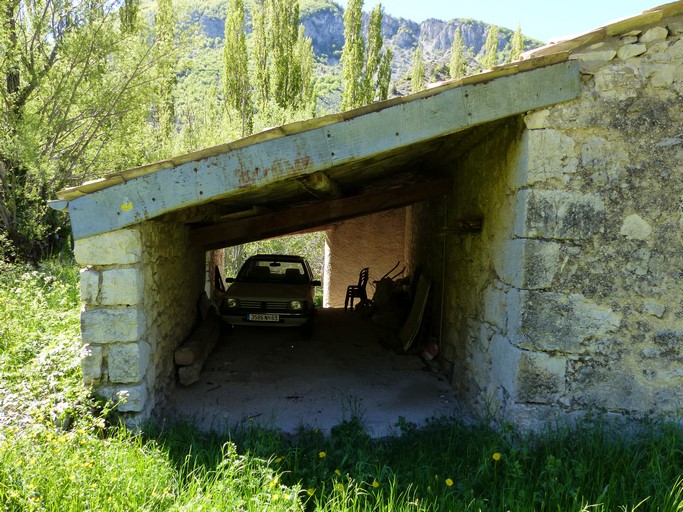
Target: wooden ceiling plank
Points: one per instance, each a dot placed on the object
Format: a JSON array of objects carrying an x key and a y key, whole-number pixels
[{"x": 317, "y": 214}]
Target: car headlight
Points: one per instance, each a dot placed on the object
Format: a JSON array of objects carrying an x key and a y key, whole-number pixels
[
  {"x": 296, "y": 305},
  {"x": 232, "y": 303}
]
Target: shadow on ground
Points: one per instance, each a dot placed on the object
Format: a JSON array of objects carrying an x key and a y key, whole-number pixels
[{"x": 274, "y": 378}]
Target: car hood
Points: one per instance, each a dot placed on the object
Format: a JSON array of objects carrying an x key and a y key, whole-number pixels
[{"x": 269, "y": 291}]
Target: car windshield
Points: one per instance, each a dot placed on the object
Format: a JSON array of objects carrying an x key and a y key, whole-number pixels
[{"x": 273, "y": 271}]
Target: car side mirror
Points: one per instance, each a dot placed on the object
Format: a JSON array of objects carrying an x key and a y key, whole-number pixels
[
  {"x": 316, "y": 283},
  {"x": 229, "y": 279}
]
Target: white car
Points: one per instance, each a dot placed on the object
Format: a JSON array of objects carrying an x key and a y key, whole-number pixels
[{"x": 271, "y": 290}]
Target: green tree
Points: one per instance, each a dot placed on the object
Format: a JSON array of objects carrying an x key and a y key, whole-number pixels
[
  {"x": 73, "y": 89},
  {"x": 516, "y": 44},
  {"x": 377, "y": 73},
  {"x": 260, "y": 52},
  {"x": 457, "y": 63},
  {"x": 236, "y": 66},
  {"x": 166, "y": 57},
  {"x": 366, "y": 72},
  {"x": 418, "y": 78},
  {"x": 491, "y": 48},
  {"x": 353, "y": 55}
]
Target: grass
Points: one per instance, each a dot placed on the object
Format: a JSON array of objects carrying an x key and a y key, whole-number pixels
[{"x": 57, "y": 452}]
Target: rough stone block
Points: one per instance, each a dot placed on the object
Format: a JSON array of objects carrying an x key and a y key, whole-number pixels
[
  {"x": 558, "y": 215},
  {"x": 631, "y": 50},
  {"x": 91, "y": 364},
  {"x": 636, "y": 228},
  {"x": 121, "y": 286},
  {"x": 505, "y": 359},
  {"x": 654, "y": 34},
  {"x": 541, "y": 378},
  {"x": 90, "y": 286},
  {"x": 128, "y": 399},
  {"x": 617, "y": 82},
  {"x": 616, "y": 390},
  {"x": 609, "y": 157},
  {"x": 654, "y": 307},
  {"x": 549, "y": 321},
  {"x": 547, "y": 155},
  {"x": 495, "y": 307},
  {"x": 536, "y": 120},
  {"x": 528, "y": 264},
  {"x": 128, "y": 362},
  {"x": 112, "y": 325},
  {"x": 121, "y": 247}
]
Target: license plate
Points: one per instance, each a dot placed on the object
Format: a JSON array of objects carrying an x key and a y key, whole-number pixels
[{"x": 261, "y": 317}]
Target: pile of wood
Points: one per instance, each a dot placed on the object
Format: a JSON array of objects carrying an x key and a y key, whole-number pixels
[{"x": 191, "y": 355}]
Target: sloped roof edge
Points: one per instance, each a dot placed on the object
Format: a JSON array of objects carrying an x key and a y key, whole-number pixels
[{"x": 124, "y": 176}]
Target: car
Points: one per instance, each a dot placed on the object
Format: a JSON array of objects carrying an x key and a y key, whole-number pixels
[{"x": 271, "y": 290}]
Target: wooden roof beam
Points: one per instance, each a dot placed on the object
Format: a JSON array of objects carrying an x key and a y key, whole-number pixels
[{"x": 318, "y": 214}]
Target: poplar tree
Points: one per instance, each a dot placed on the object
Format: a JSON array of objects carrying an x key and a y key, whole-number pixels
[
  {"x": 366, "y": 72},
  {"x": 491, "y": 48},
  {"x": 516, "y": 44},
  {"x": 417, "y": 81},
  {"x": 166, "y": 58},
  {"x": 457, "y": 64},
  {"x": 260, "y": 54},
  {"x": 377, "y": 62},
  {"x": 352, "y": 56},
  {"x": 236, "y": 66}
]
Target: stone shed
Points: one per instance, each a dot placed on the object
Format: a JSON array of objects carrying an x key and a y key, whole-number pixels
[{"x": 543, "y": 199}]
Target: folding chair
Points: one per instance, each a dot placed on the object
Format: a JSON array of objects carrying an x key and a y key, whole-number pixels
[{"x": 354, "y": 291}]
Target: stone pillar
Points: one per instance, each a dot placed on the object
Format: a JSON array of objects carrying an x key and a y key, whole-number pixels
[
  {"x": 140, "y": 288},
  {"x": 115, "y": 355}
]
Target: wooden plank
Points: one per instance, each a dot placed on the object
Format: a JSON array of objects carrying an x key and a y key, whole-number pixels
[
  {"x": 379, "y": 131},
  {"x": 304, "y": 217}
]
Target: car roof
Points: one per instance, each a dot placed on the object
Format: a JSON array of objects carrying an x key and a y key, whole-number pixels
[{"x": 277, "y": 257}]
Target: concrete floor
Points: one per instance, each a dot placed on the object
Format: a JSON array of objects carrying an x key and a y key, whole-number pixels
[{"x": 275, "y": 378}]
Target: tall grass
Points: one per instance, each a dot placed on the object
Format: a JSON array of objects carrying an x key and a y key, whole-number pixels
[{"x": 58, "y": 453}]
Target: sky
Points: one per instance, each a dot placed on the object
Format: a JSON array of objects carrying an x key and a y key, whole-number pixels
[{"x": 545, "y": 20}]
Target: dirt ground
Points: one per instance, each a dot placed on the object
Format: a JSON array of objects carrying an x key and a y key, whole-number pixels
[{"x": 273, "y": 377}]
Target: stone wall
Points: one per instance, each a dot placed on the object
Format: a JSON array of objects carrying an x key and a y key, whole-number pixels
[
  {"x": 569, "y": 300},
  {"x": 375, "y": 241},
  {"x": 140, "y": 288}
]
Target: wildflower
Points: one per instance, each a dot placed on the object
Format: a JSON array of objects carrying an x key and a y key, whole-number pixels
[
  {"x": 496, "y": 456},
  {"x": 322, "y": 455},
  {"x": 310, "y": 491},
  {"x": 278, "y": 460},
  {"x": 375, "y": 484},
  {"x": 337, "y": 472},
  {"x": 449, "y": 482},
  {"x": 339, "y": 487}
]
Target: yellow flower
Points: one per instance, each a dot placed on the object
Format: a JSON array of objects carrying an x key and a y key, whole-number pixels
[
  {"x": 337, "y": 472},
  {"x": 375, "y": 484},
  {"x": 449, "y": 482},
  {"x": 339, "y": 487},
  {"x": 496, "y": 456},
  {"x": 310, "y": 491},
  {"x": 278, "y": 460},
  {"x": 322, "y": 455}
]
